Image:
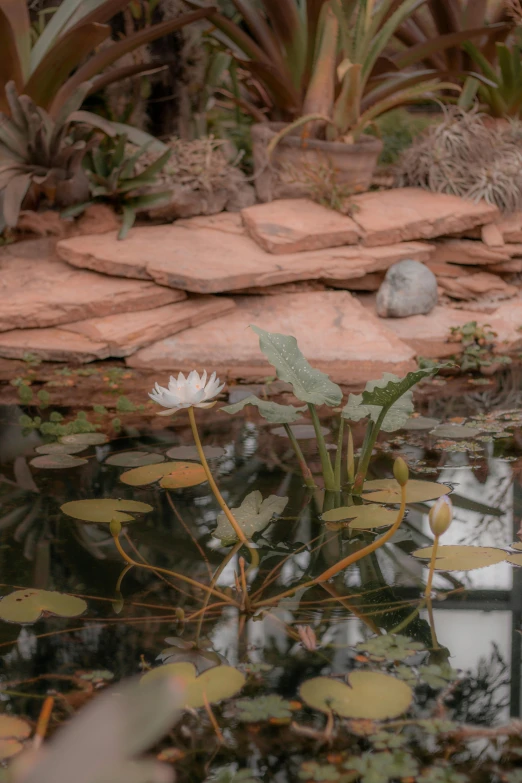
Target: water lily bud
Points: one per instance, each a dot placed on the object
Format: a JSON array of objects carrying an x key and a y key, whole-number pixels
[
  {"x": 440, "y": 516},
  {"x": 400, "y": 471},
  {"x": 115, "y": 528},
  {"x": 118, "y": 603}
]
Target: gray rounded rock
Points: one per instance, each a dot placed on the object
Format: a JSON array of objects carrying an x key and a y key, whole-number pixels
[{"x": 409, "y": 288}]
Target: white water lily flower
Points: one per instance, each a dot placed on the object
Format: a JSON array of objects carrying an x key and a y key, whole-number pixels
[{"x": 187, "y": 392}]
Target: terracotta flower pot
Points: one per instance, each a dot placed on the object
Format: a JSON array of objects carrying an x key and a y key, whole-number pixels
[{"x": 297, "y": 165}]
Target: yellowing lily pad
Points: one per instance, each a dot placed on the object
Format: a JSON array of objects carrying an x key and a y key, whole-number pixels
[
  {"x": 368, "y": 696},
  {"x": 173, "y": 475},
  {"x": 191, "y": 452},
  {"x": 462, "y": 558},
  {"x": 216, "y": 684},
  {"x": 105, "y": 509},
  {"x": 57, "y": 461},
  {"x": 27, "y": 606},
  {"x": 9, "y": 748},
  {"x": 515, "y": 560},
  {"x": 362, "y": 517},
  {"x": 516, "y": 545},
  {"x": 85, "y": 438},
  {"x": 12, "y": 731},
  {"x": 134, "y": 459},
  {"x": 389, "y": 491}
]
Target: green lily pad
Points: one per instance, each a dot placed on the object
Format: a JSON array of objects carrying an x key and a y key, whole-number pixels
[
  {"x": 368, "y": 695},
  {"x": 362, "y": 517},
  {"x": 134, "y": 459},
  {"x": 455, "y": 432},
  {"x": 216, "y": 684},
  {"x": 389, "y": 491},
  {"x": 173, "y": 475},
  {"x": 85, "y": 438},
  {"x": 299, "y": 431},
  {"x": 57, "y": 461},
  {"x": 271, "y": 411},
  {"x": 27, "y": 606},
  {"x": 253, "y": 515},
  {"x": 462, "y": 558},
  {"x": 104, "y": 510},
  {"x": 191, "y": 452},
  {"x": 309, "y": 384},
  {"x": 420, "y": 423},
  {"x": 60, "y": 448}
]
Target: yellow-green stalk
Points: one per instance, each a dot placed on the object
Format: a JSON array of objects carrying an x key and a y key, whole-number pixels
[{"x": 440, "y": 516}]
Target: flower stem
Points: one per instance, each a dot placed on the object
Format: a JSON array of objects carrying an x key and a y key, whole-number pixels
[
  {"x": 364, "y": 460},
  {"x": 213, "y": 486},
  {"x": 427, "y": 592},
  {"x": 328, "y": 474},
  {"x": 339, "y": 457},
  {"x": 305, "y": 470},
  {"x": 350, "y": 460}
]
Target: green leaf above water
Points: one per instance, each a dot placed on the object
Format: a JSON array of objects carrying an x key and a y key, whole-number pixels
[
  {"x": 173, "y": 475},
  {"x": 27, "y": 606},
  {"x": 253, "y": 515},
  {"x": 368, "y": 695},
  {"x": 438, "y": 676},
  {"x": 263, "y": 708},
  {"x": 362, "y": 517},
  {"x": 462, "y": 558},
  {"x": 389, "y": 491},
  {"x": 271, "y": 411},
  {"x": 384, "y": 766},
  {"x": 309, "y": 385},
  {"x": 216, "y": 684},
  {"x": 104, "y": 510},
  {"x": 134, "y": 459}
]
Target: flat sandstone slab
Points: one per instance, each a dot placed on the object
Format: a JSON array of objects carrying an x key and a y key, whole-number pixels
[
  {"x": 401, "y": 214},
  {"x": 114, "y": 335},
  {"x": 37, "y": 289},
  {"x": 335, "y": 333},
  {"x": 297, "y": 224},
  {"x": 209, "y": 261}
]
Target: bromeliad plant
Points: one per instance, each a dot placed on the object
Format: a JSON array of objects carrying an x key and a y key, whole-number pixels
[{"x": 500, "y": 93}]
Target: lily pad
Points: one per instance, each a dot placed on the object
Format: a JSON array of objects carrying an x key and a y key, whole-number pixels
[
  {"x": 389, "y": 647},
  {"x": 462, "y": 558},
  {"x": 253, "y": 515},
  {"x": 134, "y": 459},
  {"x": 516, "y": 545},
  {"x": 389, "y": 491},
  {"x": 271, "y": 411},
  {"x": 12, "y": 731},
  {"x": 85, "y": 438},
  {"x": 420, "y": 423},
  {"x": 299, "y": 431},
  {"x": 362, "y": 517},
  {"x": 515, "y": 559},
  {"x": 27, "y": 606},
  {"x": 455, "y": 431},
  {"x": 60, "y": 448},
  {"x": 309, "y": 384},
  {"x": 218, "y": 683},
  {"x": 263, "y": 708},
  {"x": 191, "y": 452},
  {"x": 104, "y": 510},
  {"x": 57, "y": 461},
  {"x": 173, "y": 475},
  {"x": 368, "y": 695}
]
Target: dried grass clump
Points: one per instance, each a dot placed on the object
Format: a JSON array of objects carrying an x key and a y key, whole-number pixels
[
  {"x": 466, "y": 157},
  {"x": 197, "y": 165}
]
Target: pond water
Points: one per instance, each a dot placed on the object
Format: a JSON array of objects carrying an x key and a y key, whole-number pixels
[{"x": 464, "y": 670}]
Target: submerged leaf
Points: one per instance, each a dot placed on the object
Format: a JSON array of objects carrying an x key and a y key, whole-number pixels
[
  {"x": 309, "y": 385},
  {"x": 362, "y": 517},
  {"x": 271, "y": 411},
  {"x": 191, "y": 452},
  {"x": 173, "y": 475},
  {"x": 104, "y": 509},
  {"x": 134, "y": 459},
  {"x": 391, "y": 393},
  {"x": 462, "y": 558},
  {"x": 368, "y": 695},
  {"x": 253, "y": 515},
  {"x": 27, "y": 606},
  {"x": 389, "y": 491},
  {"x": 216, "y": 684}
]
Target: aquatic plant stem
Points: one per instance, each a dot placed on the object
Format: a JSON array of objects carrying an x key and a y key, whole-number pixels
[
  {"x": 43, "y": 722},
  {"x": 214, "y": 579},
  {"x": 210, "y": 478},
  {"x": 427, "y": 592},
  {"x": 212, "y": 718},
  {"x": 305, "y": 470},
  {"x": 339, "y": 457},
  {"x": 182, "y": 577},
  {"x": 328, "y": 474},
  {"x": 364, "y": 460},
  {"x": 350, "y": 460}
]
